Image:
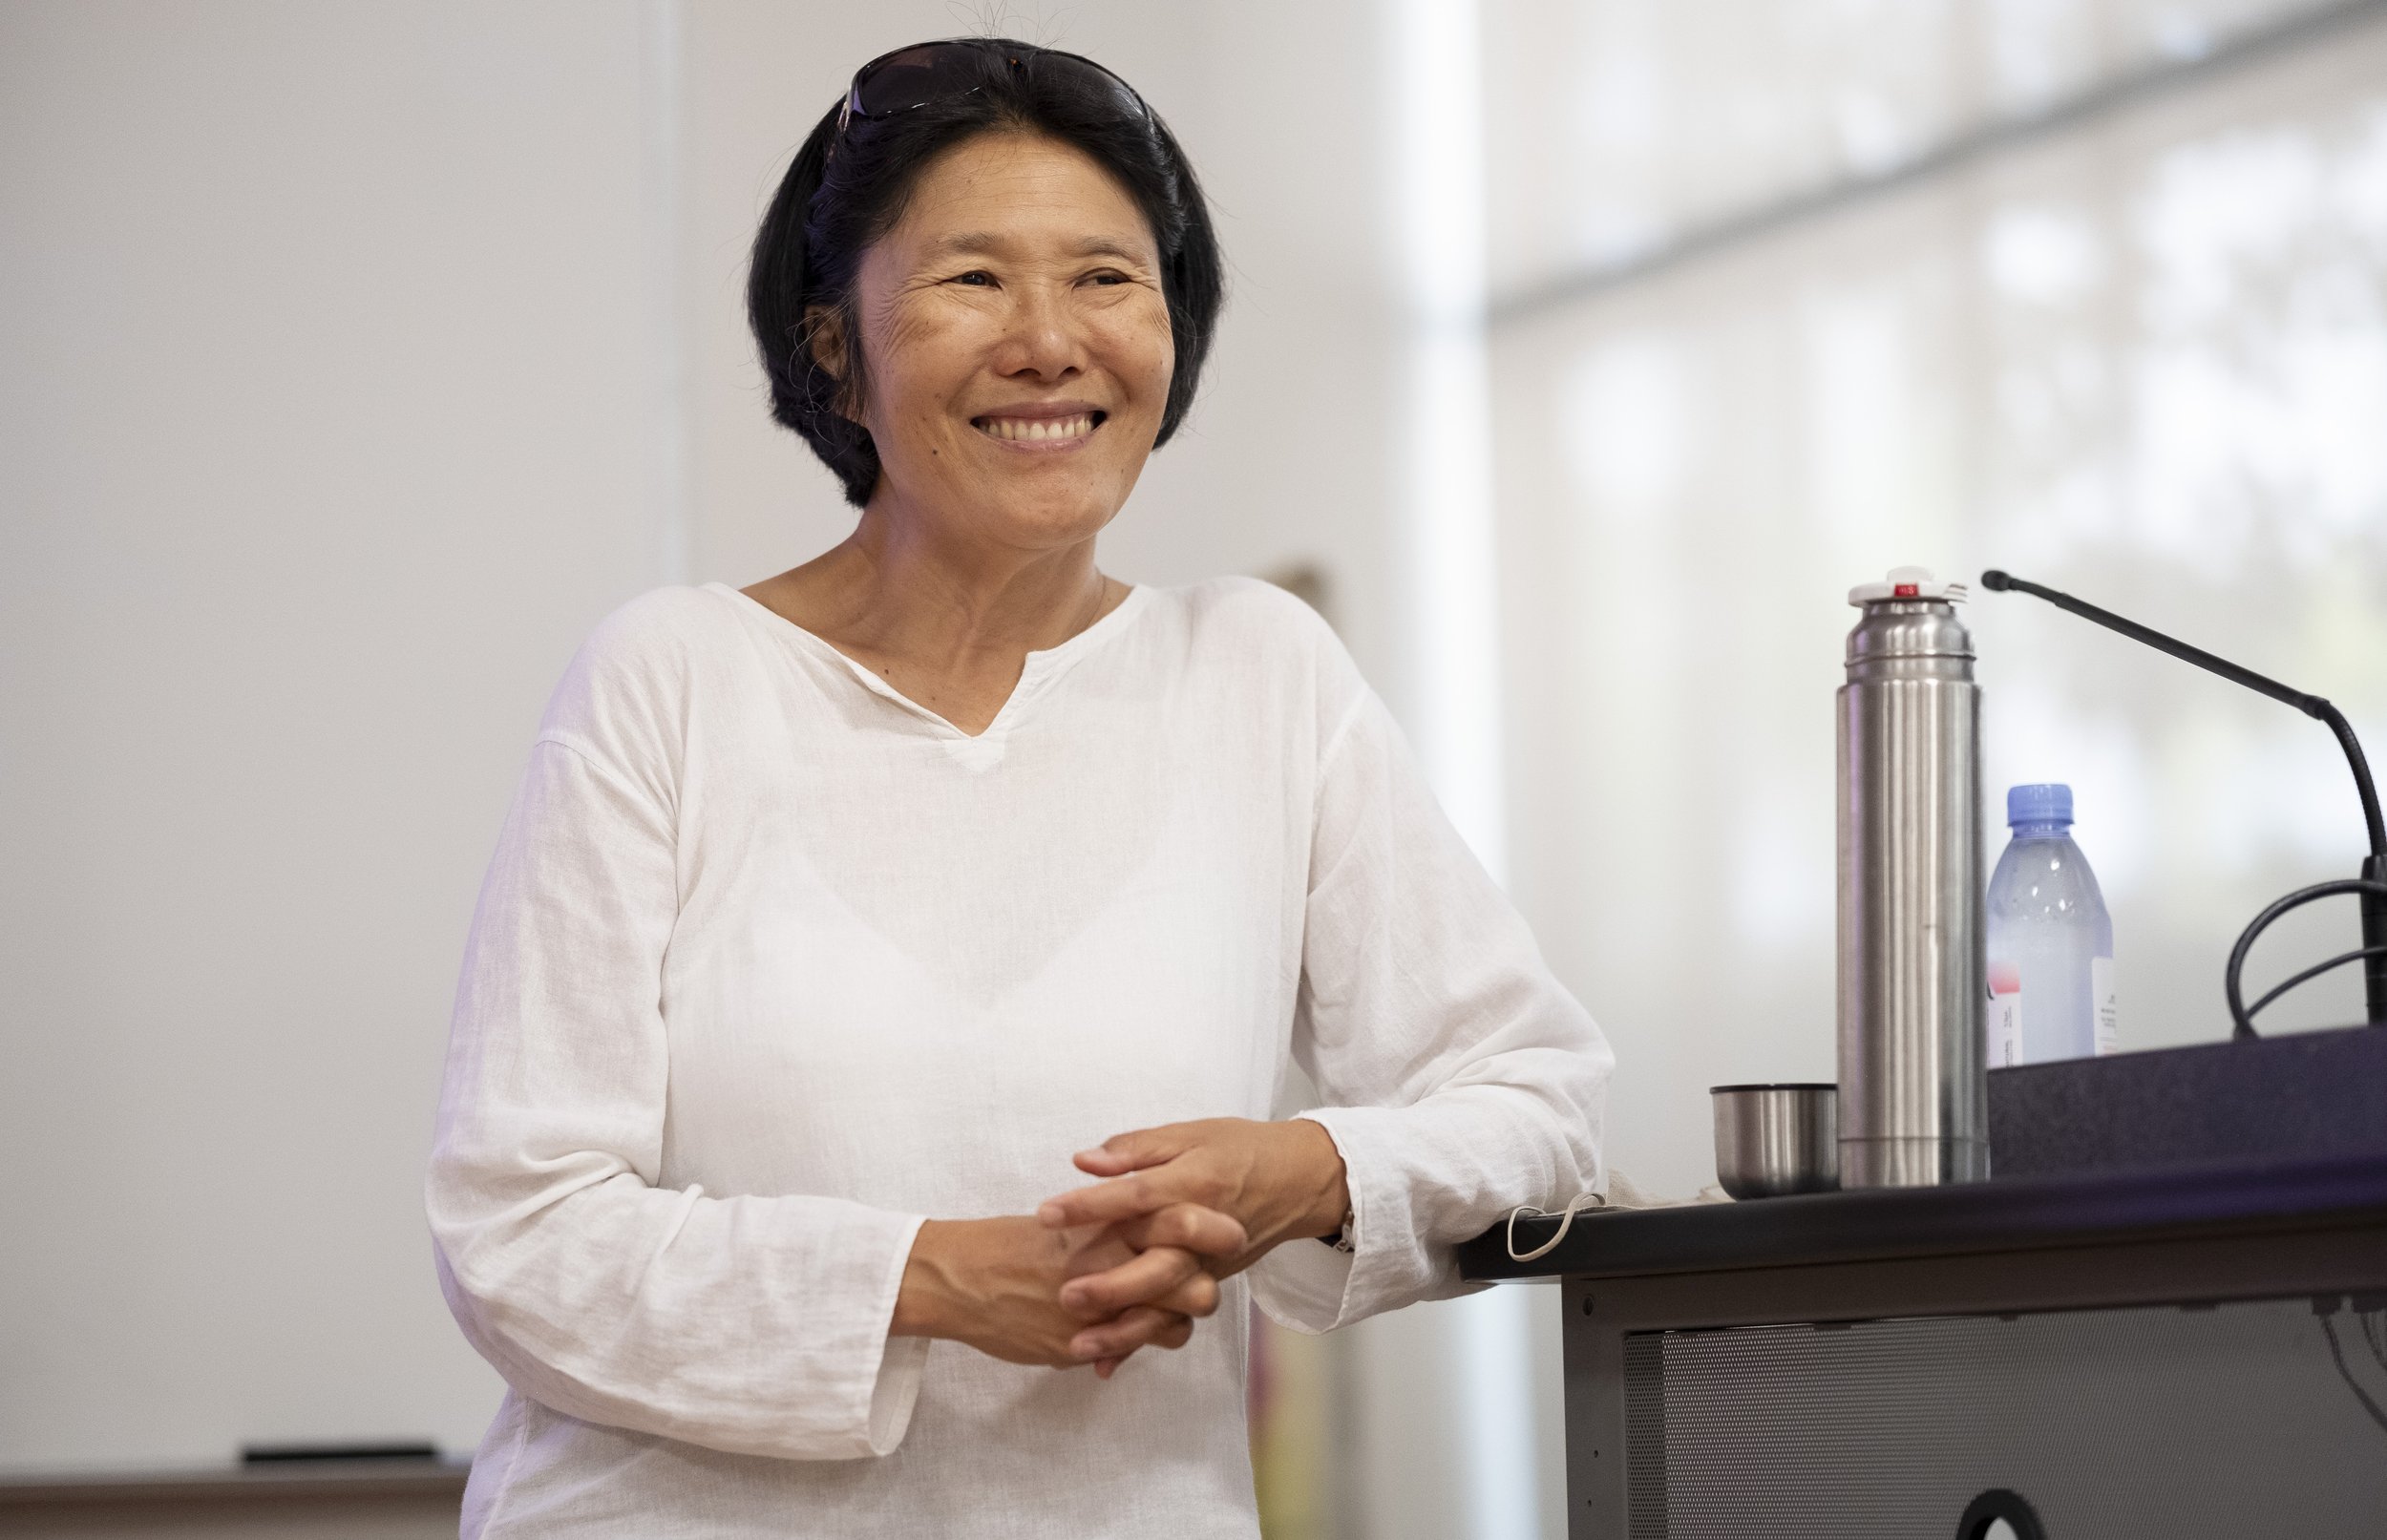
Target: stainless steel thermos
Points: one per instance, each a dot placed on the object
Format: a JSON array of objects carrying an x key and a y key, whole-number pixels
[{"x": 1913, "y": 1109}]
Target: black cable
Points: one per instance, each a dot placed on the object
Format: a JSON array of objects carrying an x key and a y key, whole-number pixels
[
  {"x": 2353, "y": 746},
  {"x": 2314, "y": 972},
  {"x": 2241, "y": 1018},
  {"x": 2329, "y": 1329}
]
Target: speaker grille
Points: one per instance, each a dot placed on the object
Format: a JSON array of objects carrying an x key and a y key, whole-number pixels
[{"x": 2168, "y": 1423}]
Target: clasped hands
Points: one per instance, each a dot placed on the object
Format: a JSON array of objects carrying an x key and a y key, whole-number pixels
[{"x": 1132, "y": 1260}]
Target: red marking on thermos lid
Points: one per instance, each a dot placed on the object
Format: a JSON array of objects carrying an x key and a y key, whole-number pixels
[{"x": 1906, "y": 590}]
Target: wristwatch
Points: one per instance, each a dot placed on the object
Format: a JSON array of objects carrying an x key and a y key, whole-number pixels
[{"x": 1343, "y": 1239}]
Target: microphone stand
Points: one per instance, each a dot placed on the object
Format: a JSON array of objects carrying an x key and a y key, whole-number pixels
[{"x": 2371, "y": 885}]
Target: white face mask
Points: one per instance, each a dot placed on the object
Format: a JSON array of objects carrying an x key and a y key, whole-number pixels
[
  {"x": 1621, "y": 1193},
  {"x": 1566, "y": 1222}
]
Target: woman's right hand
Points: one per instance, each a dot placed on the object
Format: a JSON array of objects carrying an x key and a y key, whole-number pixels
[{"x": 997, "y": 1285}]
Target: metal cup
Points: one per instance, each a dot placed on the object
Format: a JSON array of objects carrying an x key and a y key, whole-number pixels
[{"x": 1773, "y": 1140}]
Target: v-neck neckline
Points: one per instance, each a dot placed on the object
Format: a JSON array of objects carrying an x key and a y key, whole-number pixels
[{"x": 1037, "y": 670}]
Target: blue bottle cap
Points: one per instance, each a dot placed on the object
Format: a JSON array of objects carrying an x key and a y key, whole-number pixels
[{"x": 2050, "y": 803}]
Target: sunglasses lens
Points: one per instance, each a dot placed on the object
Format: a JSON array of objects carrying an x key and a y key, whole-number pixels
[
  {"x": 1094, "y": 75},
  {"x": 935, "y": 72},
  {"x": 917, "y": 76}
]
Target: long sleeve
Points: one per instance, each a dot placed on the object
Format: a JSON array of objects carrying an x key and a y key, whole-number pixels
[
  {"x": 752, "y": 1324},
  {"x": 1461, "y": 1078}
]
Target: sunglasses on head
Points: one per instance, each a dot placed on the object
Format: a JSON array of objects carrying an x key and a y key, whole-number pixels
[{"x": 896, "y": 84}]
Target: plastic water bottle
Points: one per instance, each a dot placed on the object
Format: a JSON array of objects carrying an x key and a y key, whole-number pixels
[{"x": 2050, "y": 946}]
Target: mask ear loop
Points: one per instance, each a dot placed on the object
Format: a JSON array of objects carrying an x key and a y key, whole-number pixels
[{"x": 1565, "y": 1220}]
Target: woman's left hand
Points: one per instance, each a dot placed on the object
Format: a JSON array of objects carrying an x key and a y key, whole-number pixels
[{"x": 1280, "y": 1181}]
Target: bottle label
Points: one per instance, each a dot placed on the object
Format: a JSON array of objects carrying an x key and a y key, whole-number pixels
[
  {"x": 2005, "y": 1015},
  {"x": 2102, "y": 1005}
]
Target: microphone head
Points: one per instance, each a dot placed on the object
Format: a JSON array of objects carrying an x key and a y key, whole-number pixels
[{"x": 1996, "y": 580}]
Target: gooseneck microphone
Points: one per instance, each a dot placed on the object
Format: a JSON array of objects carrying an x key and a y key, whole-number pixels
[{"x": 2371, "y": 885}]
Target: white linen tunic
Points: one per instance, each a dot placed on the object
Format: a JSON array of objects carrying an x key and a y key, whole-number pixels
[{"x": 772, "y": 962}]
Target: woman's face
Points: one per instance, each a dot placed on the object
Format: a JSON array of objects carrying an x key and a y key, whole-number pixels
[{"x": 1017, "y": 345}]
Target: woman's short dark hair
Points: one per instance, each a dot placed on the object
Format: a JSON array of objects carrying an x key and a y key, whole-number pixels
[{"x": 831, "y": 207}]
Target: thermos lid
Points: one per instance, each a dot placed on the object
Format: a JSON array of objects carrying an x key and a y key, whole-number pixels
[
  {"x": 1906, "y": 583},
  {"x": 1910, "y": 617}
]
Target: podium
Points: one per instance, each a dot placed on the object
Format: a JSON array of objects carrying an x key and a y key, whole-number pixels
[{"x": 2134, "y": 1338}]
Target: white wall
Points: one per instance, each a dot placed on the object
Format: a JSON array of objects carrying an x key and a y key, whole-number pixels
[{"x": 323, "y": 436}]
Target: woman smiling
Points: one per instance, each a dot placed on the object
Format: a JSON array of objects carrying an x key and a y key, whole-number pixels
[{"x": 835, "y": 914}]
